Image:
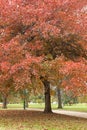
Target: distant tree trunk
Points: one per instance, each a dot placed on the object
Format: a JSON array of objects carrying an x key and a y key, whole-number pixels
[
  {"x": 59, "y": 98},
  {"x": 4, "y": 106},
  {"x": 25, "y": 103},
  {"x": 25, "y": 99},
  {"x": 47, "y": 108}
]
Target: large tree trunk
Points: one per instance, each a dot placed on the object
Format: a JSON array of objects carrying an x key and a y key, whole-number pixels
[
  {"x": 4, "y": 106},
  {"x": 24, "y": 105},
  {"x": 59, "y": 98},
  {"x": 47, "y": 108}
]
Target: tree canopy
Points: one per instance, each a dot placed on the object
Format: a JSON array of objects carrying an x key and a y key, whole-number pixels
[{"x": 32, "y": 31}]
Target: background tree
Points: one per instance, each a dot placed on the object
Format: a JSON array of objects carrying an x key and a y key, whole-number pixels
[
  {"x": 69, "y": 98},
  {"x": 82, "y": 99}
]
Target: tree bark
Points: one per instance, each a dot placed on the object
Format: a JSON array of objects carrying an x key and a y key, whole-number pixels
[
  {"x": 4, "y": 106},
  {"x": 59, "y": 98},
  {"x": 47, "y": 108},
  {"x": 24, "y": 105}
]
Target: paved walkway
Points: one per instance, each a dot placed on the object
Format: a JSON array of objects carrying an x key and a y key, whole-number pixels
[{"x": 71, "y": 113}]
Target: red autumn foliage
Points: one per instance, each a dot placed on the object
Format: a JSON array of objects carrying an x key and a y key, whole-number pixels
[
  {"x": 77, "y": 76},
  {"x": 16, "y": 66},
  {"x": 26, "y": 27}
]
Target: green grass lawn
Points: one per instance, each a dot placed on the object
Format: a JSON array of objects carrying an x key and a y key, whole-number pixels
[
  {"x": 74, "y": 107},
  {"x": 77, "y": 107},
  {"x": 36, "y": 120}
]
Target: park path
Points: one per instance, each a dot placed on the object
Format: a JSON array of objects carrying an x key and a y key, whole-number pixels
[
  {"x": 66, "y": 112},
  {"x": 71, "y": 113}
]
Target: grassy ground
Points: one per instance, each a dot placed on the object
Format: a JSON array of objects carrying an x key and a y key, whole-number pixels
[
  {"x": 74, "y": 107},
  {"x": 36, "y": 120},
  {"x": 77, "y": 107}
]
